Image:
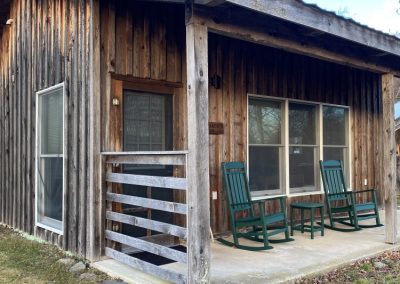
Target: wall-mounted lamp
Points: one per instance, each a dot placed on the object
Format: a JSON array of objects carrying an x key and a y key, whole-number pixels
[
  {"x": 215, "y": 81},
  {"x": 9, "y": 22},
  {"x": 115, "y": 102}
]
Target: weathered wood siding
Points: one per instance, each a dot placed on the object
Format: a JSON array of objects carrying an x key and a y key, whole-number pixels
[
  {"x": 247, "y": 68},
  {"x": 48, "y": 43}
]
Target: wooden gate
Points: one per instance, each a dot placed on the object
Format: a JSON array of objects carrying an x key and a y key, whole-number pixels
[{"x": 153, "y": 244}]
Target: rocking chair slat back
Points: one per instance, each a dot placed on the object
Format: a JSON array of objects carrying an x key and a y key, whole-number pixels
[
  {"x": 234, "y": 174},
  {"x": 333, "y": 179}
]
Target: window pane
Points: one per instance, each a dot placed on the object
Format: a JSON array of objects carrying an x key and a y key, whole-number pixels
[
  {"x": 302, "y": 124},
  {"x": 264, "y": 165},
  {"x": 50, "y": 182},
  {"x": 334, "y": 125},
  {"x": 302, "y": 168},
  {"x": 51, "y": 128},
  {"x": 334, "y": 153},
  {"x": 264, "y": 122},
  {"x": 147, "y": 122}
]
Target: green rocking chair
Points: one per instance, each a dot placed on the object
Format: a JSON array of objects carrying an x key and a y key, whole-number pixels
[
  {"x": 341, "y": 201},
  {"x": 249, "y": 225}
]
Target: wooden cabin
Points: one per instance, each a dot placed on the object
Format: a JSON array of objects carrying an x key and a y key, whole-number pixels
[{"x": 115, "y": 117}]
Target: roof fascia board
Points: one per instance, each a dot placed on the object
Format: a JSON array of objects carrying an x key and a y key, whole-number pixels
[{"x": 297, "y": 12}]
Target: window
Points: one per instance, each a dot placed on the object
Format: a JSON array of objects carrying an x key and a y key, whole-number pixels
[
  {"x": 265, "y": 140},
  {"x": 50, "y": 158},
  {"x": 287, "y": 138},
  {"x": 335, "y": 138},
  {"x": 303, "y": 147}
]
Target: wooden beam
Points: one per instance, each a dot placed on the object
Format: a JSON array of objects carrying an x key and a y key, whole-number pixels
[
  {"x": 95, "y": 229},
  {"x": 147, "y": 246},
  {"x": 257, "y": 35},
  {"x": 299, "y": 13},
  {"x": 146, "y": 266},
  {"x": 389, "y": 159},
  {"x": 148, "y": 224},
  {"x": 153, "y": 181},
  {"x": 148, "y": 203},
  {"x": 146, "y": 158},
  {"x": 198, "y": 146}
]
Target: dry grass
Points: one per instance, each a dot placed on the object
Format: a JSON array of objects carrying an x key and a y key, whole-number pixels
[
  {"x": 26, "y": 261},
  {"x": 365, "y": 271}
]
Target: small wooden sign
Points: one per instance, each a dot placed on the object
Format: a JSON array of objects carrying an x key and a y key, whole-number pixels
[{"x": 216, "y": 128}]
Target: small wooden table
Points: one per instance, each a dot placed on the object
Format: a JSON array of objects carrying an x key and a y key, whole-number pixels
[{"x": 307, "y": 228}]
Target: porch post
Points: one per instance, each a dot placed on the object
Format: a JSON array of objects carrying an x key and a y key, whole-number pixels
[
  {"x": 389, "y": 159},
  {"x": 95, "y": 216},
  {"x": 198, "y": 220}
]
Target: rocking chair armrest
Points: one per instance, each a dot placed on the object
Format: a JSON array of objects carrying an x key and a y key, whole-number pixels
[{"x": 365, "y": 190}]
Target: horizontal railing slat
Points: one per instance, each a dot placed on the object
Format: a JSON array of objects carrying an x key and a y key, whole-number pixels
[
  {"x": 148, "y": 224},
  {"x": 147, "y": 246},
  {"x": 146, "y": 267},
  {"x": 159, "y": 239},
  {"x": 148, "y": 203},
  {"x": 148, "y": 159},
  {"x": 153, "y": 181}
]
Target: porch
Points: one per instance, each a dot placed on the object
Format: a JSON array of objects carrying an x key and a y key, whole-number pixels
[{"x": 287, "y": 261}]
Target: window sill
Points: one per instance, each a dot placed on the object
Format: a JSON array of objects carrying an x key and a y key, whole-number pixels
[{"x": 50, "y": 225}]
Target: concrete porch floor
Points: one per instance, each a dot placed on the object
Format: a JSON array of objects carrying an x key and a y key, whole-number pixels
[{"x": 285, "y": 262}]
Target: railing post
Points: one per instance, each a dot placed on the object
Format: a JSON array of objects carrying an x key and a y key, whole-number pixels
[{"x": 198, "y": 221}]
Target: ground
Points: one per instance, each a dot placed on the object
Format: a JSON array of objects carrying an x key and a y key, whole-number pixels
[
  {"x": 28, "y": 261},
  {"x": 384, "y": 268}
]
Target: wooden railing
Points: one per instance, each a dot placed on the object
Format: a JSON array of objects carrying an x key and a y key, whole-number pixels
[{"x": 155, "y": 244}]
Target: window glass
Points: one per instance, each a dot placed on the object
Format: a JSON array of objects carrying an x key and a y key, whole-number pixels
[
  {"x": 334, "y": 125},
  {"x": 302, "y": 168},
  {"x": 265, "y": 118},
  {"x": 302, "y": 124},
  {"x": 264, "y": 168},
  {"x": 49, "y": 174}
]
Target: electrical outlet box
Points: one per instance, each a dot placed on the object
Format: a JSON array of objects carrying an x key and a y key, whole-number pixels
[
  {"x": 365, "y": 182},
  {"x": 214, "y": 195}
]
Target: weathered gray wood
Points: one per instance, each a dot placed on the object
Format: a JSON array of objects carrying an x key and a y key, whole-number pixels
[
  {"x": 160, "y": 239},
  {"x": 258, "y": 36},
  {"x": 198, "y": 146},
  {"x": 389, "y": 159},
  {"x": 147, "y": 159},
  {"x": 153, "y": 181},
  {"x": 148, "y": 224},
  {"x": 95, "y": 237},
  {"x": 296, "y": 12},
  {"x": 148, "y": 203},
  {"x": 147, "y": 246},
  {"x": 146, "y": 267}
]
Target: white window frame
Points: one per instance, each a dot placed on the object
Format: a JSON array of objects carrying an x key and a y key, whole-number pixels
[
  {"x": 47, "y": 225},
  {"x": 319, "y": 145}
]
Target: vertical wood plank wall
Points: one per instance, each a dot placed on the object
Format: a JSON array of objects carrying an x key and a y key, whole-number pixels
[
  {"x": 247, "y": 68},
  {"x": 47, "y": 44}
]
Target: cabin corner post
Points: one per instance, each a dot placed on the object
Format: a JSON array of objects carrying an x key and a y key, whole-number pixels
[
  {"x": 389, "y": 158},
  {"x": 95, "y": 218},
  {"x": 198, "y": 221}
]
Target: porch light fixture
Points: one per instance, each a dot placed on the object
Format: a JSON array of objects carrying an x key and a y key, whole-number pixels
[
  {"x": 215, "y": 81},
  {"x": 9, "y": 22},
  {"x": 115, "y": 102}
]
